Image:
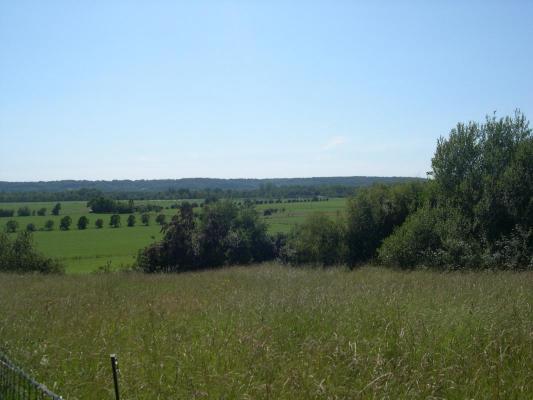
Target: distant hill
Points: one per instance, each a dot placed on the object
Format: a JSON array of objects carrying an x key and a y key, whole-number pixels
[{"x": 159, "y": 185}]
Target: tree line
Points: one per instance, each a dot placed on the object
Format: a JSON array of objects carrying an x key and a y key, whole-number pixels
[{"x": 476, "y": 211}]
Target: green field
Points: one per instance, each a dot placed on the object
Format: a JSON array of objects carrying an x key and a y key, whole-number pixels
[
  {"x": 272, "y": 332},
  {"x": 87, "y": 250}
]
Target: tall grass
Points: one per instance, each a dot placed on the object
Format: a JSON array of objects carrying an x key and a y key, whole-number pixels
[{"x": 271, "y": 332}]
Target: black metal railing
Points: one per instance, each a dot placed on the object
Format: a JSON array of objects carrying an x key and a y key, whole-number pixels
[{"x": 15, "y": 384}]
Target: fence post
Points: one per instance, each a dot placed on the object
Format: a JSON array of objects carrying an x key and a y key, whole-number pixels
[{"x": 114, "y": 367}]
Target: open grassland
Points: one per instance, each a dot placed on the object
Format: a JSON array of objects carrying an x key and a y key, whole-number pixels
[
  {"x": 270, "y": 332},
  {"x": 87, "y": 250}
]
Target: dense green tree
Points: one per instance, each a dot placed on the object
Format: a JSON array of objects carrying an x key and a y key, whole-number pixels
[
  {"x": 145, "y": 219},
  {"x": 131, "y": 220},
  {"x": 12, "y": 226},
  {"x": 374, "y": 212},
  {"x": 65, "y": 223},
  {"x": 49, "y": 225},
  {"x": 56, "y": 209},
  {"x": 18, "y": 255},
  {"x": 24, "y": 211},
  {"x": 481, "y": 209},
  {"x": 319, "y": 240},
  {"x": 41, "y": 211},
  {"x": 6, "y": 213},
  {"x": 114, "y": 221},
  {"x": 224, "y": 234},
  {"x": 83, "y": 222},
  {"x": 99, "y": 223},
  {"x": 31, "y": 227},
  {"x": 160, "y": 219}
]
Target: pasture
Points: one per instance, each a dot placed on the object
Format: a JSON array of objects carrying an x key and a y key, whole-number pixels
[
  {"x": 87, "y": 250},
  {"x": 272, "y": 332}
]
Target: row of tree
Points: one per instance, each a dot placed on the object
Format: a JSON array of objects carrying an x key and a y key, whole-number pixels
[
  {"x": 65, "y": 223},
  {"x": 25, "y": 211}
]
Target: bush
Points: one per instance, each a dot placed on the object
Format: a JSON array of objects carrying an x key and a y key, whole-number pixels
[
  {"x": 12, "y": 226},
  {"x": 6, "y": 213},
  {"x": 432, "y": 237},
  {"x": 99, "y": 223},
  {"x": 145, "y": 219},
  {"x": 49, "y": 225},
  {"x": 41, "y": 211},
  {"x": 31, "y": 227},
  {"x": 114, "y": 221},
  {"x": 160, "y": 219},
  {"x": 374, "y": 212},
  {"x": 24, "y": 211},
  {"x": 224, "y": 234},
  {"x": 19, "y": 255},
  {"x": 319, "y": 240},
  {"x": 131, "y": 220}
]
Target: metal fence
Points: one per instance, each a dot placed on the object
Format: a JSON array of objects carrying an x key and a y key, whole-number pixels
[{"x": 15, "y": 384}]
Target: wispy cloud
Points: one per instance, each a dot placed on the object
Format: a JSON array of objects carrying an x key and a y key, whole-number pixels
[{"x": 334, "y": 142}]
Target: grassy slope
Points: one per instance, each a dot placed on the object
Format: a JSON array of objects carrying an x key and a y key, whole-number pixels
[
  {"x": 273, "y": 332},
  {"x": 85, "y": 251}
]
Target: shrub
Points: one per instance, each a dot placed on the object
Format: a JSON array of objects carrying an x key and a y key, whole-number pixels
[
  {"x": 114, "y": 221},
  {"x": 160, "y": 219},
  {"x": 31, "y": 227},
  {"x": 319, "y": 240},
  {"x": 145, "y": 219},
  {"x": 131, "y": 220},
  {"x": 24, "y": 211},
  {"x": 224, "y": 234},
  {"x": 19, "y": 255},
  {"x": 99, "y": 223},
  {"x": 49, "y": 225},
  {"x": 12, "y": 226},
  {"x": 6, "y": 213},
  {"x": 374, "y": 212}
]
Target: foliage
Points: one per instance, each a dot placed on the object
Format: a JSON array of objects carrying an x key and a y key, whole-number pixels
[
  {"x": 12, "y": 226},
  {"x": 49, "y": 225},
  {"x": 31, "y": 227},
  {"x": 114, "y": 221},
  {"x": 41, "y": 211},
  {"x": 83, "y": 222},
  {"x": 225, "y": 233},
  {"x": 24, "y": 211},
  {"x": 145, "y": 219},
  {"x": 482, "y": 211},
  {"x": 6, "y": 213},
  {"x": 160, "y": 219},
  {"x": 318, "y": 240},
  {"x": 56, "y": 209},
  {"x": 103, "y": 204},
  {"x": 65, "y": 223},
  {"x": 374, "y": 212},
  {"x": 131, "y": 220},
  {"x": 18, "y": 255}
]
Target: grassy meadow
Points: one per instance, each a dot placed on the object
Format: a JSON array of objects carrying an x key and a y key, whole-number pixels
[
  {"x": 272, "y": 332},
  {"x": 87, "y": 250}
]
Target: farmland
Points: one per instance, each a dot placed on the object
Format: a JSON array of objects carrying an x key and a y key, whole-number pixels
[
  {"x": 275, "y": 332},
  {"x": 87, "y": 250}
]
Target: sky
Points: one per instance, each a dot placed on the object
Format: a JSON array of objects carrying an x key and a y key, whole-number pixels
[{"x": 251, "y": 89}]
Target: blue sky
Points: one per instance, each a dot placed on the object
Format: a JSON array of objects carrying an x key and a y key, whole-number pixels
[{"x": 153, "y": 89}]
